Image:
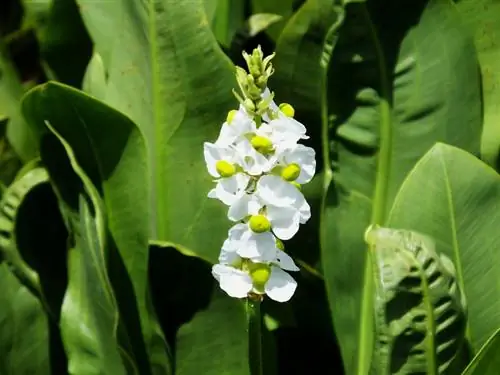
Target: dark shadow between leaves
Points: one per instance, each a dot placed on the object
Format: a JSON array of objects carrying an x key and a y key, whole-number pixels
[{"x": 180, "y": 285}]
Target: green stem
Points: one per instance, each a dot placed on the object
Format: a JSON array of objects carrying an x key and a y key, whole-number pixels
[
  {"x": 254, "y": 321},
  {"x": 379, "y": 201}
]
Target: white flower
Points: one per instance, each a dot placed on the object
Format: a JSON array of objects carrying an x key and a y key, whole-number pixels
[
  {"x": 259, "y": 247},
  {"x": 278, "y": 194},
  {"x": 298, "y": 161},
  {"x": 237, "y": 125},
  {"x": 221, "y": 161},
  {"x": 238, "y": 278},
  {"x": 234, "y": 282},
  {"x": 232, "y": 192},
  {"x": 280, "y": 286},
  {"x": 252, "y": 161}
]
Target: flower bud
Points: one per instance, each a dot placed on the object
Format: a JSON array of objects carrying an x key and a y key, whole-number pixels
[
  {"x": 262, "y": 144},
  {"x": 225, "y": 169},
  {"x": 249, "y": 106},
  {"x": 287, "y": 109},
  {"x": 260, "y": 274},
  {"x": 259, "y": 224},
  {"x": 290, "y": 172}
]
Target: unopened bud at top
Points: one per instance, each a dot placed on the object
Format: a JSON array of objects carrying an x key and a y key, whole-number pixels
[{"x": 287, "y": 109}]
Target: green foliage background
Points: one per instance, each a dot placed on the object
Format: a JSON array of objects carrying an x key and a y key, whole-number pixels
[{"x": 106, "y": 234}]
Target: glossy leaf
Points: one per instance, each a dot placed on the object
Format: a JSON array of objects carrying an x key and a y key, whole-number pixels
[
  {"x": 24, "y": 336},
  {"x": 390, "y": 72},
  {"x": 11, "y": 91},
  {"x": 89, "y": 312},
  {"x": 206, "y": 322},
  {"x": 483, "y": 19},
  {"x": 452, "y": 196},
  {"x": 159, "y": 84},
  {"x": 65, "y": 46},
  {"x": 420, "y": 311},
  {"x": 113, "y": 156},
  {"x": 487, "y": 360},
  {"x": 24, "y": 324}
]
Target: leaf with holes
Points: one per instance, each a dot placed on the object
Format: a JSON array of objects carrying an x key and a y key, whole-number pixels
[
  {"x": 453, "y": 197},
  {"x": 420, "y": 311},
  {"x": 400, "y": 78}
]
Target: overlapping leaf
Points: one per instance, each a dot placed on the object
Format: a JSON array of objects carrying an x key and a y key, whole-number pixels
[
  {"x": 453, "y": 197},
  {"x": 409, "y": 69}
]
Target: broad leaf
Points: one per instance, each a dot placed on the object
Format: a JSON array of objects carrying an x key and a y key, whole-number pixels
[
  {"x": 175, "y": 83},
  {"x": 453, "y": 197},
  {"x": 483, "y": 19},
  {"x": 192, "y": 307},
  {"x": 420, "y": 311},
  {"x": 410, "y": 70},
  {"x": 89, "y": 312},
  {"x": 65, "y": 46},
  {"x": 11, "y": 91},
  {"x": 109, "y": 148},
  {"x": 24, "y": 336},
  {"x": 487, "y": 360},
  {"x": 26, "y": 345}
]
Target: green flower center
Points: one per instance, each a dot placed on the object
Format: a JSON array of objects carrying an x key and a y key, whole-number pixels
[
  {"x": 225, "y": 169},
  {"x": 259, "y": 224},
  {"x": 287, "y": 109},
  {"x": 262, "y": 144},
  {"x": 260, "y": 274},
  {"x": 291, "y": 172},
  {"x": 230, "y": 116}
]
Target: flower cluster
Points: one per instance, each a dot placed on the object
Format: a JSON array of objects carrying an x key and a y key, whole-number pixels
[{"x": 259, "y": 167}]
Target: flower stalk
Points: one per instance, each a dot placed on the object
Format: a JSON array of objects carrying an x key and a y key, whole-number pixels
[{"x": 254, "y": 321}]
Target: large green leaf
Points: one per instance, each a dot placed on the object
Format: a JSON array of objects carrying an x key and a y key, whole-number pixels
[
  {"x": 192, "y": 306},
  {"x": 401, "y": 77},
  {"x": 453, "y": 197},
  {"x": 487, "y": 360},
  {"x": 24, "y": 336},
  {"x": 89, "y": 312},
  {"x": 175, "y": 83},
  {"x": 24, "y": 325},
  {"x": 483, "y": 18},
  {"x": 111, "y": 151},
  {"x": 65, "y": 46},
  {"x": 11, "y": 91},
  {"x": 420, "y": 310}
]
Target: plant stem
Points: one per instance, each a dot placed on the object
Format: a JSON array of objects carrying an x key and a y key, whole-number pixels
[
  {"x": 379, "y": 200},
  {"x": 254, "y": 321}
]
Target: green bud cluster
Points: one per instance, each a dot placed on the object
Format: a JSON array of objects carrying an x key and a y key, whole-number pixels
[{"x": 253, "y": 83}]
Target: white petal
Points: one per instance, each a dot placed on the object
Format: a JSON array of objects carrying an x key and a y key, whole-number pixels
[
  {"x": 252, "y": 162},
  {"x": 285, "y": 261},
  {"x": 214, "y": 153},
  {"x": 281, "y": 286},
  {"x": 259, "y": 247},
  {"x": 276, "y": 191},
  {"x": 284, "y": 221},
  {"x": 234, "y": 282},
  {"x": 240, "y": 208},
  {"x": 228, "y": 254},
  {"x": 305, "y": 157},
  {"x": 305, "y": 211},
  {"x": 241, "y": 124},
  {"x": 228, "y": 189},
  {"x": 236, "y": 231}
]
